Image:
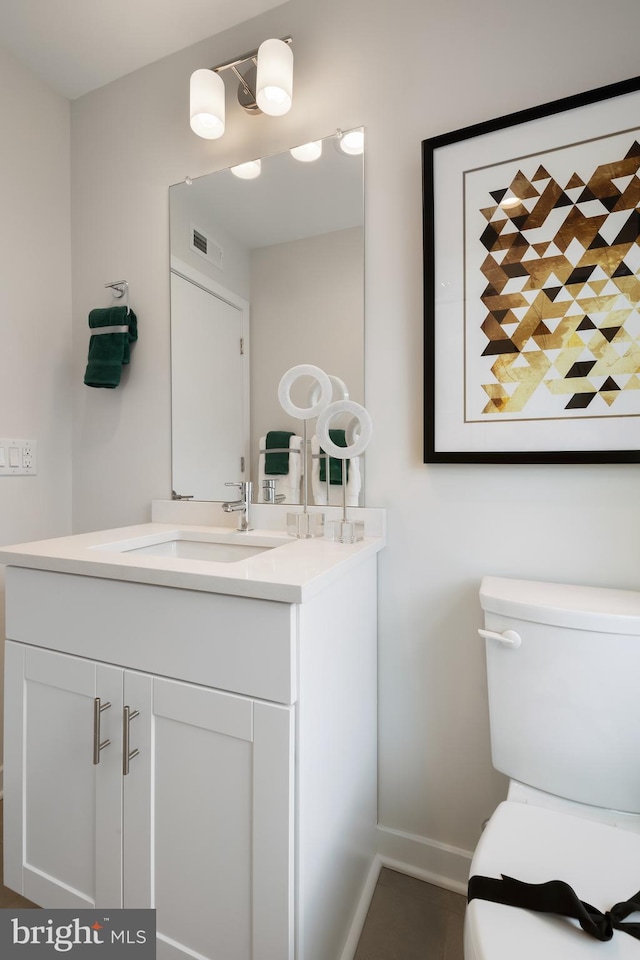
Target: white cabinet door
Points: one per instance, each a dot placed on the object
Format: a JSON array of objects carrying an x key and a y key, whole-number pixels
[
  {"x": 63, "y": 813},
  {"x": 209, "y": 821}
]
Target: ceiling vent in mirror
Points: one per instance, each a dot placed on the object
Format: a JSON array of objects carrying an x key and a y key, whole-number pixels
[{"x": 205, "y": 246}]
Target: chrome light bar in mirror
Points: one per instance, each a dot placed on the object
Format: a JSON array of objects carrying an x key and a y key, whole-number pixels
[{"x": 266, "y": 273}]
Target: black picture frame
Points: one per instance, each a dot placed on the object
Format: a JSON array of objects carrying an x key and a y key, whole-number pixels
[{"x": 578, "y": 132}]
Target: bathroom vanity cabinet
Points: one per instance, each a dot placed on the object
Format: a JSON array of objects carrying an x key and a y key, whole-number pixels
[{"x": 208, "y": 755}]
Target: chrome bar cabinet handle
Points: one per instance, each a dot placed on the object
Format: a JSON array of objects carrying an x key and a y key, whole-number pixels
[
  {"x": 127, "y": 755},
  {"x": 98, "y": 745}
]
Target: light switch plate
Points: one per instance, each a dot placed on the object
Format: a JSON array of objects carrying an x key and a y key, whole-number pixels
[{"x": 17, "y": 457}]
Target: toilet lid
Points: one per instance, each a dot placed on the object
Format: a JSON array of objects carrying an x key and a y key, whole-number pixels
[{"x": 600, "y": 862}]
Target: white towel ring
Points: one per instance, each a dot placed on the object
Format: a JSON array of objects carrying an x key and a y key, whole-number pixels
[
  {"x": 357, "y": 435},
  {"x": 339, "y": 389},
  {"x": 286, "y": 383}
]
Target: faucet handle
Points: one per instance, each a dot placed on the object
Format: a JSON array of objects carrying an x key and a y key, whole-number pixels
[{"x": 244, "y": 486}]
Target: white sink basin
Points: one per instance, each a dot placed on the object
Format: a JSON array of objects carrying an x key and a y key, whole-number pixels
[
  {"x": 219, "y": 548},
  {"x": 200, "y": 550}
]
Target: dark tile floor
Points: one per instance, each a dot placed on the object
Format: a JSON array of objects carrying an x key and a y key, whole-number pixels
[
  {"x": 411, "y": 920},
  {"x": 407, "y": 920}
]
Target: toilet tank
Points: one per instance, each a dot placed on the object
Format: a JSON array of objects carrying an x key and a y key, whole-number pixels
[{"x": 564, "y": 705}]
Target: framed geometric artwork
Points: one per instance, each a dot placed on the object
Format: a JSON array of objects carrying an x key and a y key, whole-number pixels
[{"x": 532, "y": 284}]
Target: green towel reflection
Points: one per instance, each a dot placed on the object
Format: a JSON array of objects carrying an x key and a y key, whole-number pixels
[
  {"x": 335, "y": 466},
  {"x": 277, "y": 464}
]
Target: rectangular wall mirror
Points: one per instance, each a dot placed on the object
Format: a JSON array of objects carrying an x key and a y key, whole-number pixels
[{"x": 266, "y": 273}]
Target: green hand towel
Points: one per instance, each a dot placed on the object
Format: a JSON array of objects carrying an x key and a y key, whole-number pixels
[
  {"x": 335, "y": 466},
  {"x": 108, "y": 352},
  {"x": 277, "y": 464}
]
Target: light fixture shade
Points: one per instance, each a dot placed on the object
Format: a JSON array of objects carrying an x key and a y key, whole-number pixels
[
  {"x": 352, "y": 142},
  {"x": 307, "y": 151},
  {"x": 247, "y": 171},
  {"x": 274, "y": 80},
  {"x": 207, "y": 104}
]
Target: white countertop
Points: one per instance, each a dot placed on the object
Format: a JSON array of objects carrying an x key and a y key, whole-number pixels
[{"x": 290, "y": 573}]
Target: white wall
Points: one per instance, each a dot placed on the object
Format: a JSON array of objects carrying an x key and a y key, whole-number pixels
[
  {"x": 187, "y": 211},
  {"x": 306, "y": 307},
  {"x": 406, "y": 70},
  {"x": 35, "y": 305}
]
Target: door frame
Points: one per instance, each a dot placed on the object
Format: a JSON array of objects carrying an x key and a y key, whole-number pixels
[{"x": 184, "y": 270}]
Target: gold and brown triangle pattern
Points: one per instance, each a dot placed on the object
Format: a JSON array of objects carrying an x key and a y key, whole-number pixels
[{"x": 563, "y": 287}]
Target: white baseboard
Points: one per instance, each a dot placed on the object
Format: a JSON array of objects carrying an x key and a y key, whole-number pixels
[
  {"x": 360, "y": 915},
  {"x": 429, "y": 860}
]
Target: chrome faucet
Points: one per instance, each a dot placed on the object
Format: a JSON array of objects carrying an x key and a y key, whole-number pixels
[
  {"x": 269, "y": 494},
  {"x": 242, "y": 505}
]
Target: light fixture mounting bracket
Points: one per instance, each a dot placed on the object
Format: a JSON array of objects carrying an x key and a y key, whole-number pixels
[{"x": 246, "y": 89}]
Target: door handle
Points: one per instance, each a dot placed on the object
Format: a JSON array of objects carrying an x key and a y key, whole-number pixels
[
  {"x": 98, "y": 745},
  {"x": 508, "y": 639},
  {"x": 127, "y": 755}
]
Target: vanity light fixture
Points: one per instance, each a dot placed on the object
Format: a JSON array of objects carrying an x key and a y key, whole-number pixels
[
  {"x": 247, "y": 171},
  {"x": 206, "y": 104},
  {"x": 351, "y": 142},
  {"x": 266, "y": 87},
  {"x": 274, "y": 77},
  {"x": 307, "y": 152}
]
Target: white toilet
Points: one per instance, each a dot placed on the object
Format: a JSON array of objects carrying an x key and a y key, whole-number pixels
[{"x": 563, "y": 671}]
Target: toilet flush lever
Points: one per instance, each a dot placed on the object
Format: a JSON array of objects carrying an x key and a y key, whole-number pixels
[{"x": 509, "y": 638}]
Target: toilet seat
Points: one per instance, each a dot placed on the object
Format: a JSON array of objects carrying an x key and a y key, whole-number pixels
[{"x": 600, "y": 862}]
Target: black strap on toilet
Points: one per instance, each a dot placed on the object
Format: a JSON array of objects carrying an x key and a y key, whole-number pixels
[{"x": 557, "y": 897}]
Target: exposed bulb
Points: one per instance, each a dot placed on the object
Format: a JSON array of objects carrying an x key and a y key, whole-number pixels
[
  {"x": 307, "y": 151},
  {"x": 247, "y": 171},
  {"x": 352, "y": 142}
]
